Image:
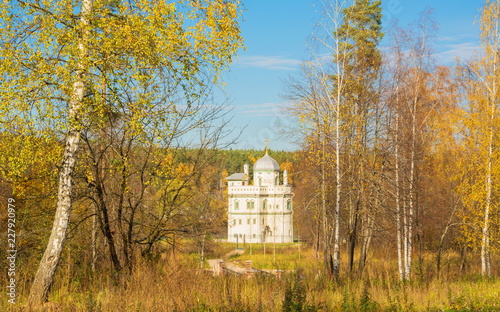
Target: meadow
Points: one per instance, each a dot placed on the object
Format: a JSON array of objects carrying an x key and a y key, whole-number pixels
[{"x": 175, "y": 282}]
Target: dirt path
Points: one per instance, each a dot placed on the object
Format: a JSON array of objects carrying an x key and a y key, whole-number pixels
[
  {"x": 214, "y": 263},
  {"x": 234, "y": 252}
]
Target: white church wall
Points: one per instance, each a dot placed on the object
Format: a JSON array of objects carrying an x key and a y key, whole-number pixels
[{"x": 261, "y": 212}]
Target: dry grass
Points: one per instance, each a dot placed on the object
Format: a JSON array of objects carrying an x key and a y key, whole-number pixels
[{"x": 176, "y": 284}]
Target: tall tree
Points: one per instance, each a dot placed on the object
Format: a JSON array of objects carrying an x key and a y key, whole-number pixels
[
  {"x": 333, "y": 103},
  {"x": 480, "y": 79},
  {"x": 313, "y": 107},
  {"x": 48, "y": 265},
  {"x": 57, "y": 55},
  {"x": 360, "y": 33},
  {"x": 411, "y": 106}
]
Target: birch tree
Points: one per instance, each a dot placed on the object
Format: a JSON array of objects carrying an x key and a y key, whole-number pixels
[
  {"x": 312, "y": 107},
  {"x": 411, "y": 107},
  {"x": 480, "y": 79},
  {"x": 332, "y": 106},
  {"x": 490, "y": 37},
  {"x": 56, "y": 55},
  {"x": 331, "y": 83}
]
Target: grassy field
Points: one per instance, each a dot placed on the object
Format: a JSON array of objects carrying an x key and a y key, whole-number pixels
[{"x": 175, "y": 283}]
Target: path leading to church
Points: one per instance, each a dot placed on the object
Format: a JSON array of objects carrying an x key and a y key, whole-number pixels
[{"x": 214, "y": 263}]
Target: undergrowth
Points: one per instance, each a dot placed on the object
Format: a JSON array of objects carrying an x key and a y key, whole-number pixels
[{"x": 176, "y": 283}]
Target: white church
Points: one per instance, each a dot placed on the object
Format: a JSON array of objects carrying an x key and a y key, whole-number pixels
[{"x": 260, "y": 212}]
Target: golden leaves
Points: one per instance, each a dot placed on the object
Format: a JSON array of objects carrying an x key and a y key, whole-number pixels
[
  {"x": 27, "y": 162},
  {"x": 480, "y": 166},
  {"x": 130, "y": 49}
]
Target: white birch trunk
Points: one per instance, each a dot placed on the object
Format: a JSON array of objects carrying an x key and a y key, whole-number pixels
[
  {"x": 339, "y": 63},
  {"x": 336, "y": 241},
  {"x": 485, "y": 241},
  {"x": 334, "y": 14},
  {"x": 326, "y": 228},
  {"x": 411, "y": 203},
  {"x": 50, "y": 260},
  {"x": 408, "y": 212},
  {"x": 399, "y": 229}
]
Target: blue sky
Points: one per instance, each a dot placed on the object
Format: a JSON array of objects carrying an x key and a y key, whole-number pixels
[{"x": 276, "y": 33}]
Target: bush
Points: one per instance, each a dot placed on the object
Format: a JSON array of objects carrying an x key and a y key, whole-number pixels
[{"x": 295, "y": 296}]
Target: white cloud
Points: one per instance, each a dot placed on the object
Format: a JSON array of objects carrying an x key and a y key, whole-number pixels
[
  {"x": 463, "y": 51},
  {"x": 268, "y": 62},
  {"x": 264, "y": 109}
]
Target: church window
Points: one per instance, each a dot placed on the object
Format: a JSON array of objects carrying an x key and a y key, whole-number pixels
[
  {"x": 248, "y": 221},
  {"x": 239, "y": 221},
  {"x": 254, "y": 221},
  {"x": 276, "y": 181},
  {"x": 262, "y": 220},
  {"x": 254, "y": 236},
  {"x": 236, "y": 205},
  {"x": 288, "y": 205},
  {"x": 264, "y": 205},
  {"x": 250, "y": 205}
]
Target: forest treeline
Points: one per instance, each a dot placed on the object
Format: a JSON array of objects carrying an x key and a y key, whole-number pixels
[{"x": 113, "y": 153}]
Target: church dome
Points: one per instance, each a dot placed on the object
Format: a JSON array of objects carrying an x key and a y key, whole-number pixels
[{"x": 266, "y": 163}]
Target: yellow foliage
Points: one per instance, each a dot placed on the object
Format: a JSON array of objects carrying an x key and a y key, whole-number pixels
[
  {"x": 138, "y": 50},
  {"x": 252, "y": 159},
  {"x": 480, "y": 163}
]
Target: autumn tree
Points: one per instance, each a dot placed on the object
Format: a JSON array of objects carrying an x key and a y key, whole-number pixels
[
  {"x": 124, "y": 175},
  {"x": 480, "y": 79},
  {"x": 411, "y": 107},
  {"x": 311, "y": 106},
  {"x": 58, "y": 56},
  {"x": 360, "y": 33},
  {"x": 333, "y": 103},
  {"x": 29, "y": 175}
]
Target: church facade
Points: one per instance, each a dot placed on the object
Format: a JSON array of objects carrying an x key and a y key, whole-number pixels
[{"x": 260, "y": 211}]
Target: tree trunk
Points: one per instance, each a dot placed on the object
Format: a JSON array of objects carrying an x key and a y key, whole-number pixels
[
  {"x": 463, "y": 259},
  {"x": 365, "y": 246},
  {"x": 399, "y": 228},
  {"x": 45, "y": 275},
  {"x": 94, "y": 241},
  {"x": 202, "y": 249},
  {"x": 353, "y": 235},
  {"x": 317, "y": 245},
  {"x": 327, "y": 258},
  {"x": 106, "y": 229},
  {"x": 485, "y": 241},
  {"x": 50, "y": 260},
  {"x": 412, "y": 185},
  {"x": 338, "y": 182},
  {"x": 490, "y": 26}
]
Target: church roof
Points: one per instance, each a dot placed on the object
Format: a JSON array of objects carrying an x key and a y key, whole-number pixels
[
  {"x": 266, "y": 163},
  {"x": 237, "y": 177}
]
